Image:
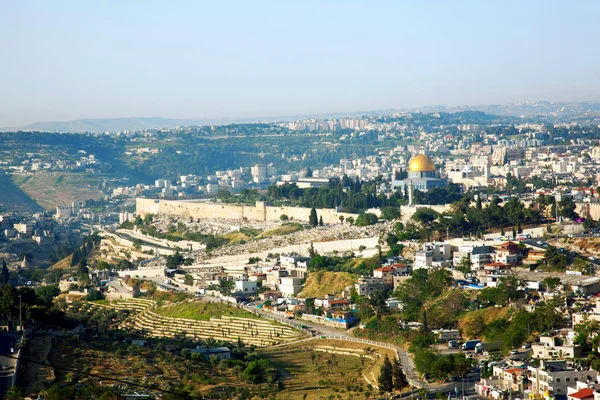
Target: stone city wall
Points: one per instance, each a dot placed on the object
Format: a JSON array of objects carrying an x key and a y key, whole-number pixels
[
  {"x": 259, "y": 212},
  {"x": 406, "y": 212},
  {"x": 586, "y": 210}
]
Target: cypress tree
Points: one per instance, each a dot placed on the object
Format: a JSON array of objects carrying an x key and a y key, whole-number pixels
[
  {"x": 400, "y": 381},
  {"x": 321, "y": 220},
  {"x": 386, "y": 383},
  {"x": 76, "y": 257},
  {"x": 5, "y": 278},
  {"x": 313, "y": 220}
]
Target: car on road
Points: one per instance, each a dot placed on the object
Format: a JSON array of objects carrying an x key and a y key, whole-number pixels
[
  {"x": 526, "y": 346},
  {"x": 591, "y": 258},
  {"x": 540, "y": 242},
  {"x": 514, "y": 352}
]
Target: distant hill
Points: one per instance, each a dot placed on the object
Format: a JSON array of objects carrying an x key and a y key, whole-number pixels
[
  {"x": 584, "y": 111},
  {"x": 108, "y": 124},
  {"x": 12, "y": 198},
  {"x": 131, "y": 124}
]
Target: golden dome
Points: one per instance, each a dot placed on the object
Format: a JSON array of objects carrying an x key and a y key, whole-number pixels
[{"x": 421, "y": 163}]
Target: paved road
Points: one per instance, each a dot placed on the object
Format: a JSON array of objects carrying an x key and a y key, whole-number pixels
[{"x": 118, "y": 287}]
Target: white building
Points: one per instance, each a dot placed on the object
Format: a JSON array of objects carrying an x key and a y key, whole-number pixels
[
  {"x": 555, "y": 377},
  {"x": 367, "y": 286},
  {"x": 245, "y": 287},
  {"x": 290, "y": 286},
  {"x": 63, "y": 212}
]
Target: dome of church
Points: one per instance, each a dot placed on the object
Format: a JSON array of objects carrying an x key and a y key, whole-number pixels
[
  {"x": 421, "y": 163},
  {"x": 305, "y": 173}
]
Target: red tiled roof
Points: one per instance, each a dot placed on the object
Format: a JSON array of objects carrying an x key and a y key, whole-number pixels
[
  {"x": 583, "y": 393},
  {"x": 516, "y": 371},
  {"x": 341, "y": 301},
  {"x": 386, "y": 269},
  {"x": 512, "y": 370},
  {"x": 495, "y": 264}
]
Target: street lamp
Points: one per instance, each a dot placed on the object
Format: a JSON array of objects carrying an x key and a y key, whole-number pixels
[{"x": 447, "y": 227}]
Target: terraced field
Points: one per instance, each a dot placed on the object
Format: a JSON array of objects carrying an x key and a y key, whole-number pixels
[
  {"x": 147, "y": 318},
  {"x": 326, "y": 368}
]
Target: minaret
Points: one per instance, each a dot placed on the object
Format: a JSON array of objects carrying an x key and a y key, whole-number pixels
[{"x": 410, "y": 193}]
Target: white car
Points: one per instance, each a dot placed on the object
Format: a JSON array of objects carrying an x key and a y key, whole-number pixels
[
  {"x": 539, "y": 242},
  {"x": 591, "y": 258}
]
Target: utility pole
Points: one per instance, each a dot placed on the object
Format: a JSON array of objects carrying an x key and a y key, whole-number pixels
[{"x": 20, "y": 314}]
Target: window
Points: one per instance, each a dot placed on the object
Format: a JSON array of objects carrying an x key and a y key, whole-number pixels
[
  {"x": 568, "y": 379},
  {"x": 557, "y": 379}
]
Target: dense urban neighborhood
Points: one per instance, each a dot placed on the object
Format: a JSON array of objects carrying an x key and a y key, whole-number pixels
[{"x": 409, "y": 254}]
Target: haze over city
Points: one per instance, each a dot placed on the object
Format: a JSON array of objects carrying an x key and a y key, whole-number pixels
[{"x": 186, "y": 59}]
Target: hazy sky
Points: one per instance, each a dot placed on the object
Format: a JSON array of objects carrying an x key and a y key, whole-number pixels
[{"x": 194, "y": 59}]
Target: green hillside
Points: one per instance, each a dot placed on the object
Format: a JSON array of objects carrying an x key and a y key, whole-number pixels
[
  {"x": 51, "y": 189},
  {"x": 12, "y": 198},
  {"x": 319, "y": 284}
]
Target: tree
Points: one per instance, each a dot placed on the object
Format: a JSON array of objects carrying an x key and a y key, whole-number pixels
[
  {"x": 386, "y": 380},
  {"x": 399, "y": 378},
  {"x": 551, "y": 283},
  {"x": 378, "y": 302},
  {"x": 283, "y": 217},
  {"x": 94, "y": 294},
  {"x": 566, "y": 208},
  {"x": 465, "y": 265},
  {"x": 174, "y": 260},
  {"x": 15, "y": 393},
  {"x": 366, "y": 219},
  {"x": 321, "y": 220},
  {"x": 390, "y": 213},
  {"x": 8, "y": 295},
  {"x": 47, "y": 293},
  {"x": 554, "y": 258},
  {"x": 313, "y": 220},
  {"x": 5, "y": 275},
  {"x": 188, "y": 280},
  {"x": 350, "y": 220},
  {"x": 425, "y": 215}
]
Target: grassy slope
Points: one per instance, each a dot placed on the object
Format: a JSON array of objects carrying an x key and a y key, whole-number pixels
[
  {"x": 321, "y": 283},
  {"x": 346, "y": 373},
  {"x": 13, "y": 198},
  {"x": 487, "y": 314},
  {"x": 202, "y": 311},
  {"x": 284, "y": 229},
  {"x": 56, "y": 188},
  {"x": 65, "y": 263}
]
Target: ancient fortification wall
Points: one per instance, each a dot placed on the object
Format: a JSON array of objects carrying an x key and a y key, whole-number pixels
[
  {"x": 408, "y": 211},
  {"x": 586, "y": 210},
  {"x": 259, "y": 212}
]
